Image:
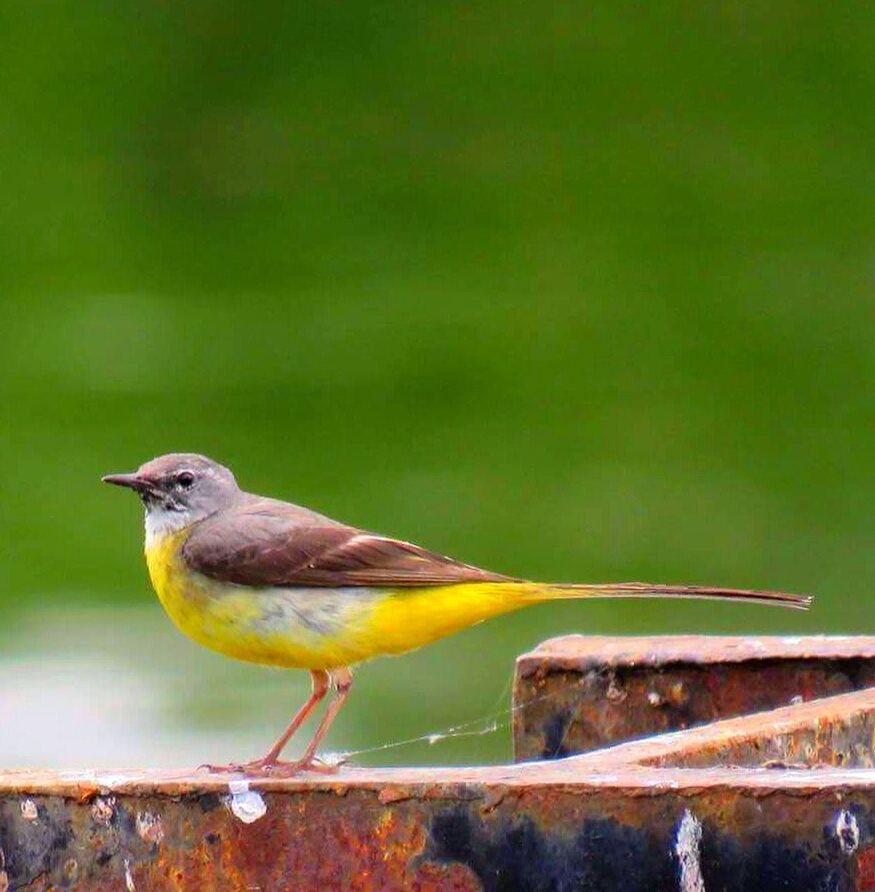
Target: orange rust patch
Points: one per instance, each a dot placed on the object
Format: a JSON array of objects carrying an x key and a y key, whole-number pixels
[{"x": 866, "y": 869}]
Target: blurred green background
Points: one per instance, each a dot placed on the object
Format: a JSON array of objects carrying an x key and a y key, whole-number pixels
[{"x": 571, "y": 291}]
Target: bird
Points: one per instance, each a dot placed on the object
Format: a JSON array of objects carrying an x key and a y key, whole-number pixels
[{"x": 266, "y": 581}]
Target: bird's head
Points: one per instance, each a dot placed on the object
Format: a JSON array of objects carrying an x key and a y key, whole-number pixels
[{"x": 179, "y": 489}]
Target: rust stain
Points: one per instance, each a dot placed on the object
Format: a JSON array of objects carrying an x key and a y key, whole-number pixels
[
  {"x": 395, "y": 794},
  {"x": 87, "y": 793},
  {"x": 577, "y": 694},
  {"x": 866, "y": 869}
]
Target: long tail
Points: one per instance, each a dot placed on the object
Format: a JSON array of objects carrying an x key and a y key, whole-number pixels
[{"x": 648, "y": 590}]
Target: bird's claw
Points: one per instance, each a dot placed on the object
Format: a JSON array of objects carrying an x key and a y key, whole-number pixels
[
  {"x": 275, "y": 768},
  {"x": 230, "y": 768}
]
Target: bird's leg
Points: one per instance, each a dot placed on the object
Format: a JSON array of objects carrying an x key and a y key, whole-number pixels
[
  {"x": 341, "y": 681},
  {"x": 319, "y": 688},
  {"x": 320, "y": 683}
]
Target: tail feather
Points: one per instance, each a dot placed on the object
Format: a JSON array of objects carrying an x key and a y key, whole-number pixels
[{"x": 649, "y": 590}]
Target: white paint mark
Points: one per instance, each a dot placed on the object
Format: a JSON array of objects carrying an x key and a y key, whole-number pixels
[
  {"x": 848, "y": 832},
  {"x": 149, "y": 827},
  {"x": 29, "y": 810},
  {"x": 129, "y": 878},
  {"x": 245, "y": 804},
  {"x": 686, "y": 848}
]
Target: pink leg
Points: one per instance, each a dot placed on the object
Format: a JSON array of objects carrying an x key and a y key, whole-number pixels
[
  {"x": 341, "y": 679},
  {"x": 320, "y": 681}
]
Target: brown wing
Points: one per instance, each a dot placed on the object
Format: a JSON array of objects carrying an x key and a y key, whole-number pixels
[{"x": 279, "y": 546}]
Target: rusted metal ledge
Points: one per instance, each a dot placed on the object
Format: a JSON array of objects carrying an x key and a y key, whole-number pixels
[
  {"x": 526, "y": 827},
  {"x": 667, "y": 813},
  {"x": 830, "y": 732},
  {"x": 580, "y": 693}
]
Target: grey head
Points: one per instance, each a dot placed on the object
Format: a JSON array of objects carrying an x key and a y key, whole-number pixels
[{"x": 179, "y": 489}]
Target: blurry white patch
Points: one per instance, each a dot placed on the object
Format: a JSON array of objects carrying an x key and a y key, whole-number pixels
[
  {"x": 245, "y": 804},
  {"x": 69, "y": 696},
  {"x": 29, "y": 810},
  {"x": 49, "y": 694},
  {"x": 334, "y": 758},
  {"x": 686, "y": 848},
  {"x": 848, "y": 832}
]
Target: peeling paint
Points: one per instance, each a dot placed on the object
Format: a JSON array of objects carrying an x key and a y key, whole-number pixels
[
  {"x": 687, "y": 842},
  {"x": 848, "y": 832},
  {"x": 149, "y": 827},
  {"x": 129, "y": 879},
  {"x": 615, "y": 692},
  {"x": 70, "y": 870},
  {"x": 29, "y": 811},
  {"x": 245, "y": 804},
  {"x": 102, "y": 809}
]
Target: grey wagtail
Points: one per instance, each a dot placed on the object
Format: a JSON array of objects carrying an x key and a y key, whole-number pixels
[{"x": 270, "y": 582}]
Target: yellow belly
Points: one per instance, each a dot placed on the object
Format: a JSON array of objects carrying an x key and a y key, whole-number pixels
[{"x": 318, "y": 628}]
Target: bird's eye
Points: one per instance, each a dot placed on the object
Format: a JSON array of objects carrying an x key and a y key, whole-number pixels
[{"x": 184, "y": 480}]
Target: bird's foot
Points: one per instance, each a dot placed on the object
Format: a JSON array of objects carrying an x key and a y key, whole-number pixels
[
  {"x": 274, "y": 767},
  {"x": 298, "y": 766},
  {"x": 230, "y": 768}
]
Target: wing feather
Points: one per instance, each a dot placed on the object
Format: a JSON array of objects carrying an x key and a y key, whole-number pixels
[{"x": 275, "y": 546}]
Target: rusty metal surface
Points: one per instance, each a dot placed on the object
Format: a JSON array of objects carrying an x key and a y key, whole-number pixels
[
  {"x": 533, "y": 827},
  {"x": 594, "y": 651},
  {"x": 782, "y": 800},
  {"x": 579, "y": 693},
  {"x": 830, "y": 732}
]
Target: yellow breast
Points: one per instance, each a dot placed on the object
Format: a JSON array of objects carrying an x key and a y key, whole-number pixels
[
  {"x": 272, "y": 626},
  {"x": 315, "y": 628},
  {"x": 178, "y": 590}
]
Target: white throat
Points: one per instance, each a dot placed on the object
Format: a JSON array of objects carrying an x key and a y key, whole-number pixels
[{"x": 161, "y": 522}]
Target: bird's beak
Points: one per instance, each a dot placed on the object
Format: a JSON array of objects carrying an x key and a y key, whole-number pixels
[{"x": 132, "y": 481}]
